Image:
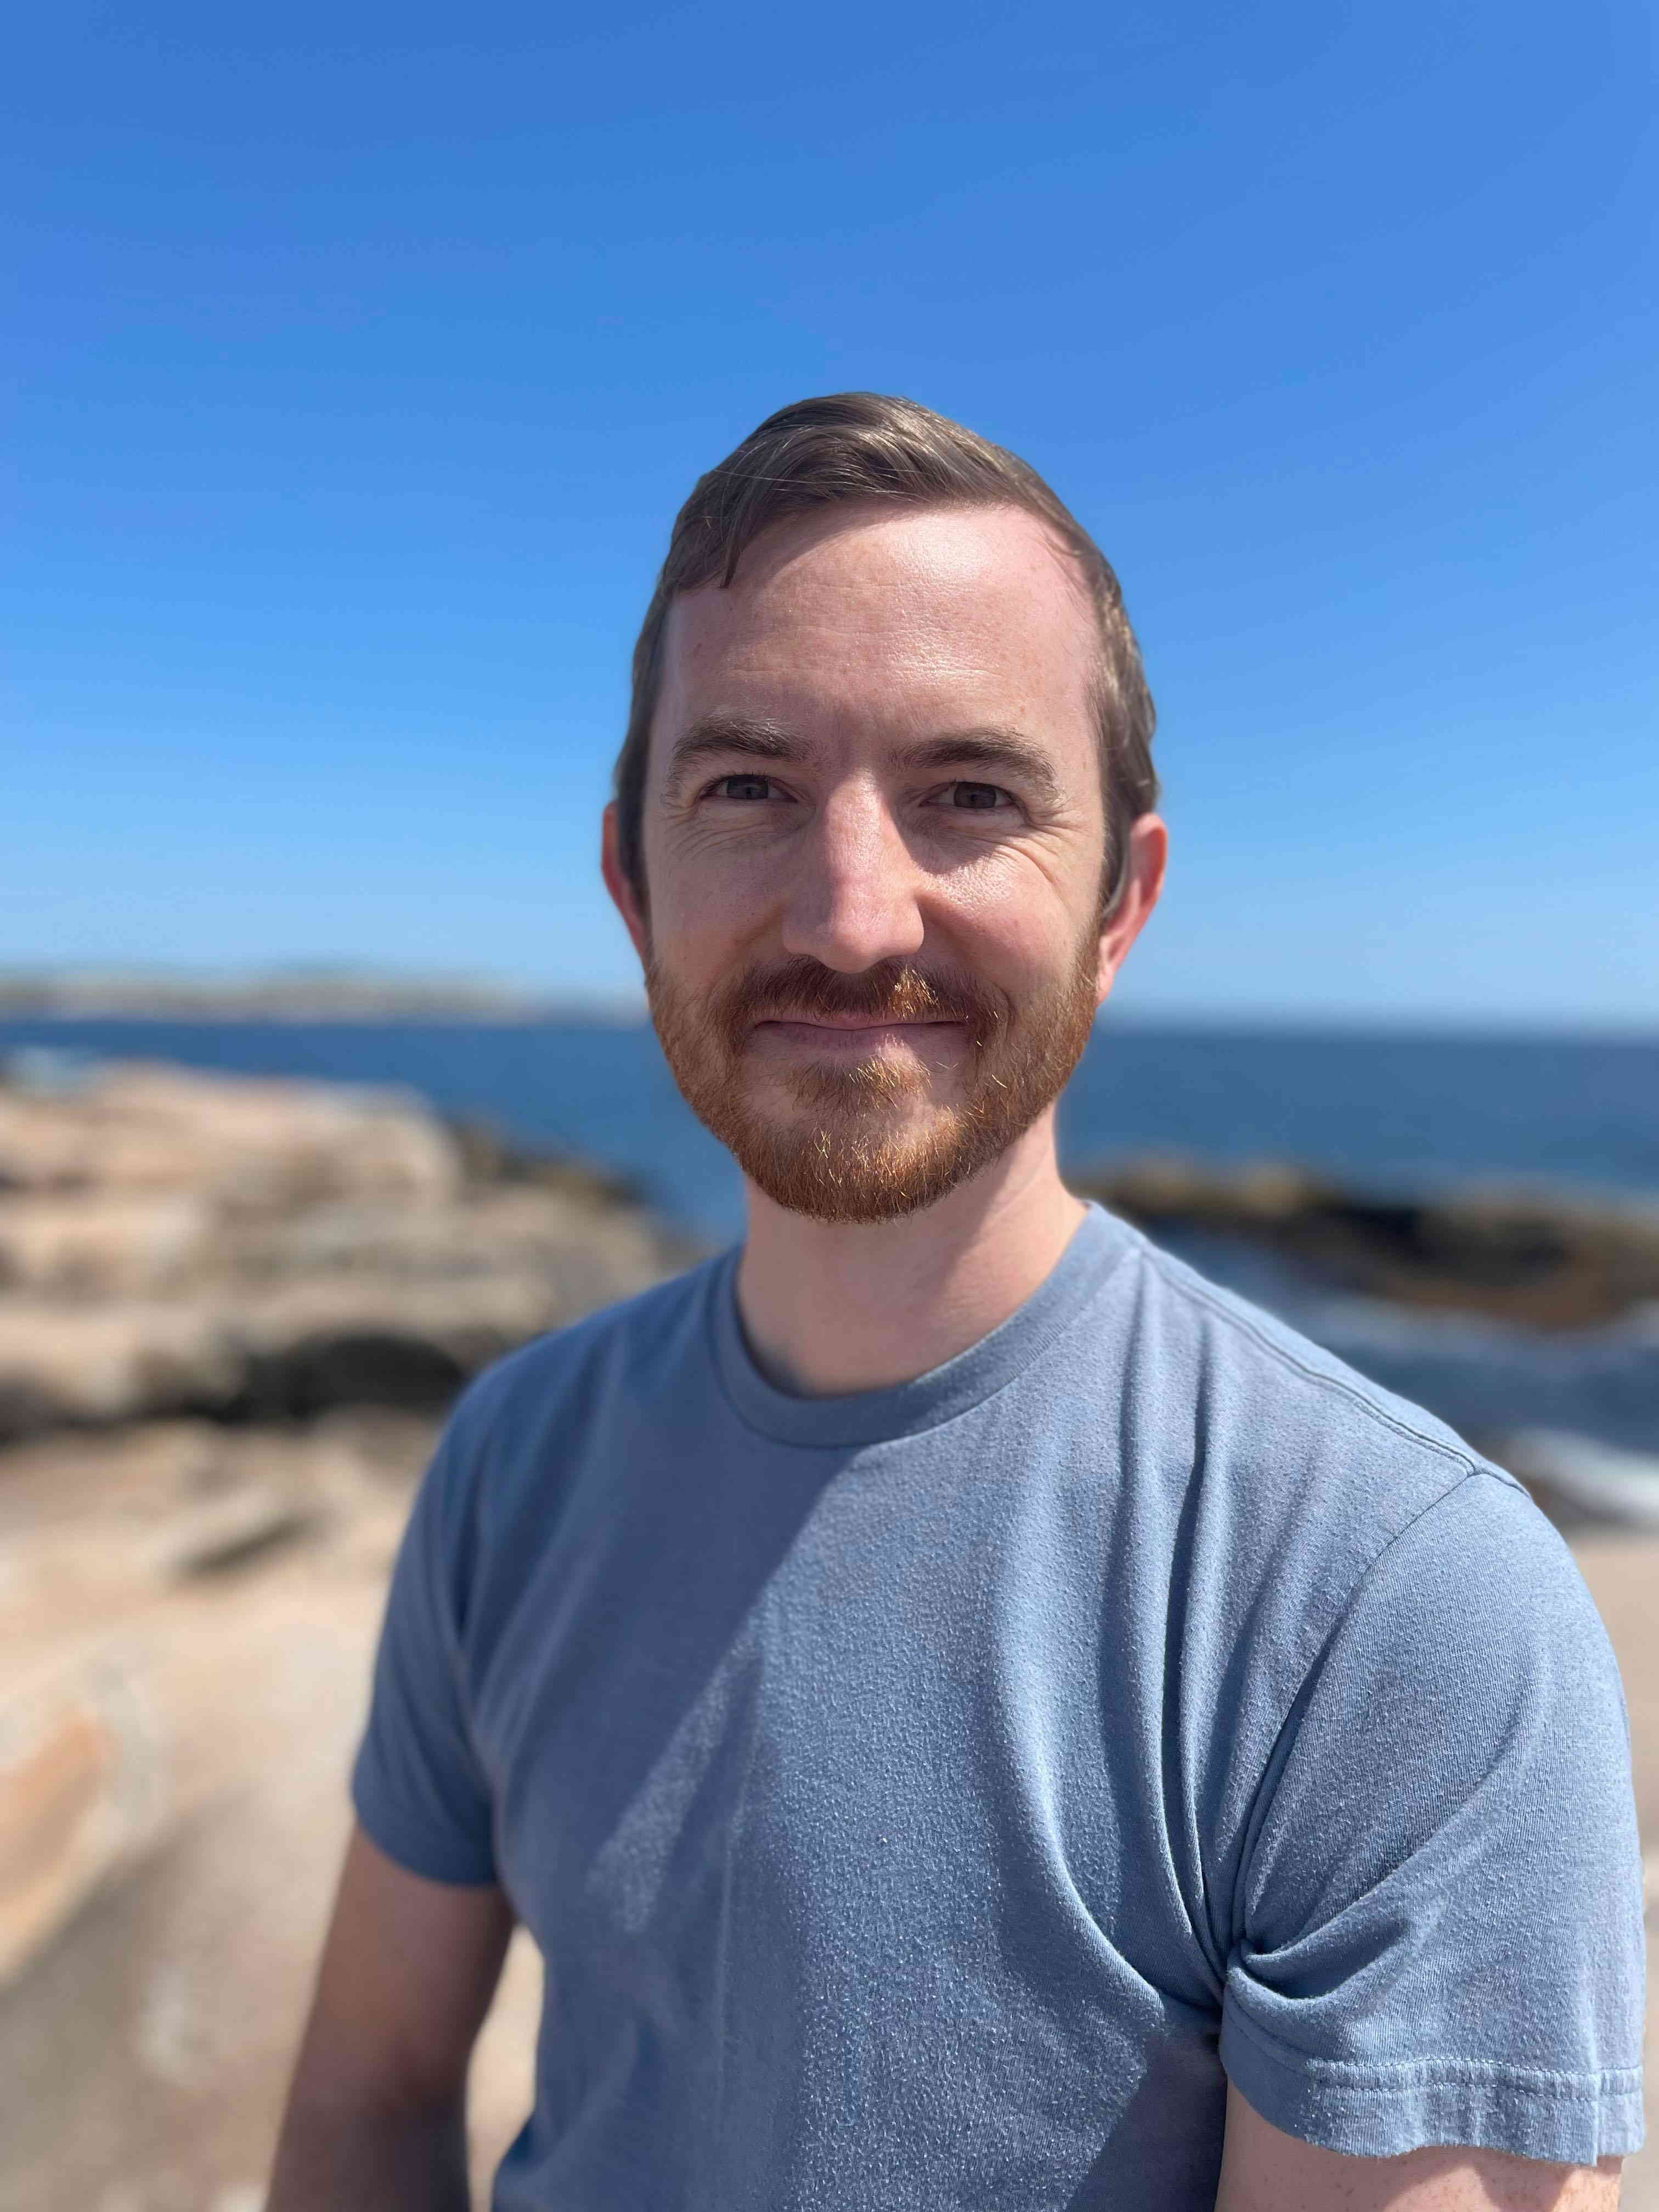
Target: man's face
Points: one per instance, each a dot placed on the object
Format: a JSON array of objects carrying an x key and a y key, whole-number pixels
[{"x": 874, "y": 846}]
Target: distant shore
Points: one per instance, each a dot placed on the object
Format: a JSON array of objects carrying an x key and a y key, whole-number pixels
[
  {"x": 329, "y": 993},
  {"x": 292, "y": 995}
]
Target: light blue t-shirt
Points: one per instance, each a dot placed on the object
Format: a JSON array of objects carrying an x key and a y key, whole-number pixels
[{"x": 925, "y": 1800}]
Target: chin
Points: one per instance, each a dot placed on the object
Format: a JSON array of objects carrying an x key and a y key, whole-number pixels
[
  {"x": 883, "y": 1138},
  {"x": 862, "y": 1167}
]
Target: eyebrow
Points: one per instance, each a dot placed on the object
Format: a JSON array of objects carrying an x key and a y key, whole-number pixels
[
  {"x": 1005, "y": 752},
  {"x": 713, "y": 736}
]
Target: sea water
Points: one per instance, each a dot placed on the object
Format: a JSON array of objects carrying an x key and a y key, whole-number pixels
[
  {"x": 1385, "y": 1114},
  {"x": 1381, "y": 1113}
]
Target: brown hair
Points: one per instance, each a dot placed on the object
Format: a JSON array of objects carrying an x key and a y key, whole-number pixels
[{"x": 865, "y": 446}]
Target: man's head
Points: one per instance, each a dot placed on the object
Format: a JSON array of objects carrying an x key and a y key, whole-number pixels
[{"x": 883, "y": 826}]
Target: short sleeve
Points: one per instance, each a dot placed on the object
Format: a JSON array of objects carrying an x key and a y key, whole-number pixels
[
  {"x": 418, "y": 1785},
  {"x": 1438, "y": 1924}
]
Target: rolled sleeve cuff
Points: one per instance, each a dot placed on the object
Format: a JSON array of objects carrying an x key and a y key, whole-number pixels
[
  {"x": 413, "y": 1844},
  {"x": 1378, "y": 2111}
]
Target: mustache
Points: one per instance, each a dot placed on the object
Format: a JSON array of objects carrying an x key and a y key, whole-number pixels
[{"x": 891, "y": 991}]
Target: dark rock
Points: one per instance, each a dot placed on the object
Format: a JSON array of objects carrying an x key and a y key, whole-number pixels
[
  {"x": 361, "y": 1367},
  {"x": 1549, "y": 1262}
]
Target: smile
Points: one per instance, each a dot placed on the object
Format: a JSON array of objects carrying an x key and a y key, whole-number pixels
[{"x": 855, "y": 1037}]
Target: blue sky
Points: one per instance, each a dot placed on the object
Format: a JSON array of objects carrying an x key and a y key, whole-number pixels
[{"x": 364, "y": 354}]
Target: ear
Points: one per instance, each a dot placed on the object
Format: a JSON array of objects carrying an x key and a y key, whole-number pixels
[
  {"x": 623, "y": 896},
  {"x": 1143, "y": 880}
]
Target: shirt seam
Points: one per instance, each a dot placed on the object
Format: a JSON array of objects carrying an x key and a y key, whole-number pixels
[
  {"x": 1198, "y": 1293},
  {"x": 388, "y": 1831}
]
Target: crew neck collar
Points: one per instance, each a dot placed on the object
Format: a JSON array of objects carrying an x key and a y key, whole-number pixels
[{"x": 900, "y": 1409}]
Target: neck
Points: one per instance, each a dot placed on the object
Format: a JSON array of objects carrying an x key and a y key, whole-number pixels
[{"x": 830, "y": 1307}]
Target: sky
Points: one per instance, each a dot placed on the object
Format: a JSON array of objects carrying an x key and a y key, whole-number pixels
[{"x": 362, "y": 354}]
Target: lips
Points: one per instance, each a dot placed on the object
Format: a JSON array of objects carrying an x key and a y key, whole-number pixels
[
  {"x": 840, "y": 1014},
  {"x": 861, "y": 1025},
  {"x": 849, "y": 1039}
]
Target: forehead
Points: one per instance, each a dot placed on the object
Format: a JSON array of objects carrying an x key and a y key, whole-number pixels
[{"x": 886, "y": 617}]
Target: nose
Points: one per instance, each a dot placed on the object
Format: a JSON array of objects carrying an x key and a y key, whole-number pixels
[{"x": 853, "y": 900}]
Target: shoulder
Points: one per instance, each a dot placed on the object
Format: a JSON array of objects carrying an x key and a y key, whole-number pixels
[
  {"x": 1476, "y": 1609},
  {"x": 1246, "y": 1360},
  {"x": 1442, "y": 1863},
  {"x": 1300, "y": 1501},
  {"x": 1290, "y": 1430},
  {"x": 639, "y": 1334},
  {"x": 531, "y": 1414}
]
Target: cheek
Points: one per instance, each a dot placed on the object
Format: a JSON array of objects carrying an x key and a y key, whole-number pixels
[
  {"x": 1016, "y": 924},
  {"x": 701, "y": 871},
  {"x": 700, "y": 923}
]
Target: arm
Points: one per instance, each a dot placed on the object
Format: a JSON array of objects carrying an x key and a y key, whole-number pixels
[
  {"x": 376, "y": 2114},
  {"x": 1439, "y": 1912},
  {"x": 1264, "y": 2170}
]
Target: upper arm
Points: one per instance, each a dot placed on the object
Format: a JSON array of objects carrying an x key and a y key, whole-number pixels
[
  {"x": 1264, "y": 2170},
  {"x": 419, "y": 1783},
  {"x": 1438, "y": 1920},
  {"x": 408, "y": 1971}
]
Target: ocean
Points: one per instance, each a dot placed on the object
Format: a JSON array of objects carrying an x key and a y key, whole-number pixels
[{"x": 1386, "y": 1114}]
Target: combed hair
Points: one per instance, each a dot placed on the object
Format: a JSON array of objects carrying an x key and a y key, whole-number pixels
[{"x": 862, "y": 446}]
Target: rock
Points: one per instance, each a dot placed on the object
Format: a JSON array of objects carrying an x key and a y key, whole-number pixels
[
  {"x": 244, "y": 1142},
  {"x": 234, "y": 1530},
  {"x": 1580, "y": 1482},
  {"x": 174, "y": 1751},
  {"x": 229, "y": 1314},
  {"x": 176, "y": 1243},
  {"x": 397, "y": 1338},
  {"x": 61, "y": 1363},
  {"x": 1549, "y": 1262},
  {"x": 81, "y": 1791},
  {"x": 93, "y": 1244}
]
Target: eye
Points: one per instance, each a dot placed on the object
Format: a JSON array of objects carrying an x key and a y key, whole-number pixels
[
  {"x": 978, "y": 798},
  {"x": 749, "y": 788}
]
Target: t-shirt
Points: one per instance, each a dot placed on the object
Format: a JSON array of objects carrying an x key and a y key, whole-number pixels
[{"x": 929, "y": 1797}]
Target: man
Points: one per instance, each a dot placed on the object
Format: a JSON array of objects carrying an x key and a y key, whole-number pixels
[{"x": 971, "y": 1714}]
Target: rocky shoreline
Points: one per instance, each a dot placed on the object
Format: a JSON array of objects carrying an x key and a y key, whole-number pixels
[
  {"x": 231, "y": 1314},
  {"x": 1546, "y": 1261},
  {"x": 1530, "y": 1321},
  {"x": 176, "y": 1244}
]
